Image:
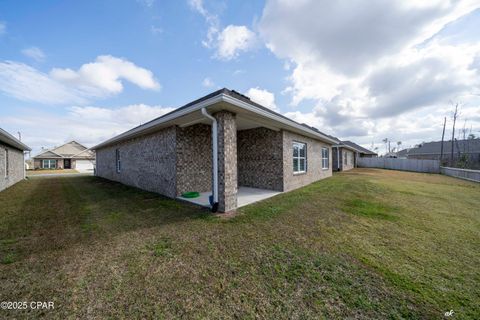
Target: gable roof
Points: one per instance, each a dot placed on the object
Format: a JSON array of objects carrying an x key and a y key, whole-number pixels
[
  {"x": 219, "y": 100},
  {"x": 87, "y": 153},
  {"x": 67, "y": 150},
  {"x": 13, "y": 142},
  {"x": 48, "y": 154},
  {"x": 358, "y": 147},
  {"x": 435, "y": 147}
]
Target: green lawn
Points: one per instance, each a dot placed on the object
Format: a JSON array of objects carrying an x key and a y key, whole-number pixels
[
  {"x": 50, "y": 171},
  {"x": 362, "y": 244}
]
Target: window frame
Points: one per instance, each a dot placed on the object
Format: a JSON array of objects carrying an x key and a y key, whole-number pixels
[
  {"x": 49, "y": 161},
  {"x": 299, "y": 158},
  {"x": 325, "y": 159},
  {"x": 118, "y": 162}
]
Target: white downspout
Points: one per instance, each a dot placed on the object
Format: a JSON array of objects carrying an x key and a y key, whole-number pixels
[
  {"x": 338, "y": 159},
  {"x": 214, "y": 153},
  {"x": 24, "y": 167}
]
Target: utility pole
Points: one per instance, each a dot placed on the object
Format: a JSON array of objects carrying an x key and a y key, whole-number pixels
[
  {"x": 455, "y": 114},
  {"x": 19, "y": 136},
  {"x": 443, "y": 135}
]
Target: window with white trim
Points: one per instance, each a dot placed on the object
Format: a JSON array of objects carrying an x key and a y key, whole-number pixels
[
  {"x": 299, "y": 157},
  {"x": 6, "y": 163},
  {"x": 325, "y": 158},
  {"x": 49, "y": 164},
  {"x": 117, "y": 160}
]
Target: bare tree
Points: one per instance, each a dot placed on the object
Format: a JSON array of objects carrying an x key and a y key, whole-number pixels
[
  {"x": 386, "y": 142},
  {"x": 443, "y": 136},
  {"x": 455, "y": 116}
]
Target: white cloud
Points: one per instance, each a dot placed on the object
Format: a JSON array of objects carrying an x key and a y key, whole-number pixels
[
  {"x": 89, "y": 125},
  {"x": 375, "y": 71},
  {"x": 146, "y": 3},
  {"x": 263, "y": 97},
  {"x": 103, "y": 77},
  {"x": 3, "y": 27},
  {"x": 234, "y": 39},
  {"x": 35, "y": 53},
  {"x": 98, "y": 79},
  {"x": 208, "y": 83},
  {"x": 230, "y": 41},
  {"x": 349, "y": 36},
  {"x": 125, "y": 117},
  {"x": 210, "y": 19},
  {"x": 23, "y": 82},
  {"x": 156, "y": 30}
]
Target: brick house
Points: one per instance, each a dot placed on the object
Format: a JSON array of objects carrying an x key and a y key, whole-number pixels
[
  {"x": 12, "y": 160},
  {"x": 71, "y": 155},
  {"x": 223, "y": 144},
  {"x": 346, "y": 153}
]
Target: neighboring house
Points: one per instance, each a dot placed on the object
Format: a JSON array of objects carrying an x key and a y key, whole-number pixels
[
  {"x": 402, "y": 154},
  {"x": 71, "y": 155},
  {"x": 362, "y": 152},
  {"x": 346, "y": 153},
  {"x": 432, "y": 150},
  {"x": 464, "y": 151},
  {"x": 221, "y": 144},
  {"x": 12, "y": 160}
]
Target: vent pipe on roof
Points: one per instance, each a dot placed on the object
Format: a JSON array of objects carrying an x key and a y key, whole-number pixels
[{"x": 214, "y": 158}]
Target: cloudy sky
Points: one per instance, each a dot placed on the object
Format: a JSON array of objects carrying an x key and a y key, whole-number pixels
[{"x": 359, "y": 70}]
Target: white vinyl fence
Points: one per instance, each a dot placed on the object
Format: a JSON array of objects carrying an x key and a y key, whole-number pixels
[
  {"x": 472, "y": 175},
  {"x": 416, "y": 165}
]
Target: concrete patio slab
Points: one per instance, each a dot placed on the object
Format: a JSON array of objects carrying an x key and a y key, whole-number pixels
[{"x": 245, "y": 196}]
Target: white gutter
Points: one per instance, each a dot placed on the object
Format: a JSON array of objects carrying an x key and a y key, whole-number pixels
[
  {"x": 163, "y": 119},
  {"x": 214, "y": 154},
  {"x": 198, "y": 106},
  {"x": 275, "y": 117}
]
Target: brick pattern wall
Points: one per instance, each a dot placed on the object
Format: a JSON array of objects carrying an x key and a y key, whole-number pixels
[
  {"x": 260, "y": 158},
  {"x": 227, "y": 161},
  {"x": 147, "y": 162},
  {"x": 314, "y": 161},
  {"x": 15, "y": 166},
  {"x": 194, "y": 158}
]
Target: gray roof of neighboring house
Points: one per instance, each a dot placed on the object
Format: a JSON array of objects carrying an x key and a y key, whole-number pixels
[
  {"x": 70, "y": 149},
  {"x": 196, "y": 103},
  {"x": 359, "y": 148},
  {"x": 352, "y": 146},
  {"x": 463, "y": 146},
  {"x": 10, "y": 140}
]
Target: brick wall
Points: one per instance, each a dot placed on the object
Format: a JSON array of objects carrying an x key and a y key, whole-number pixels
[
  {"x": 194, "y": 158},
  {"x": 227, "y": 161},
  {"x": 260, "y": 159},
  {"x": 15, "y": 166},
  {"x": 314, "y": 161},
  {"x": 147, "y": 162}
]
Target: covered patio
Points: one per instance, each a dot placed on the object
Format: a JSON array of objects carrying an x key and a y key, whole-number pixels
[{"x": 245, "y": 196}]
